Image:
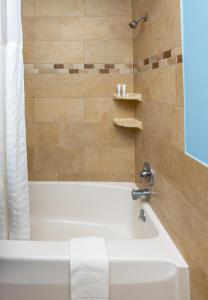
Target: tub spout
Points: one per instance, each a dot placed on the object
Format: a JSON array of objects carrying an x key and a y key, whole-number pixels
[{"x": 143, "y": 194}]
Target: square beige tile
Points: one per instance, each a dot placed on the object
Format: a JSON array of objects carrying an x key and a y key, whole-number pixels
[
  {"x": 43, "y": 176},
  {"x": 84, "y": 28},
  {"x": 71, "y": 160},
  {"x": 28, "y": 52},
  {"x": 111, "y": 51},
  {"x": 109, "y": 161},
  {"x": 96, "y": 51},
  {"x": 29, "y": 109},
  {"x": 59, "y": 8},
  {"x": 119, "y": 29},
  {"x": 96, "y": 8},
  {"x": 46, "y": 28},
  {"x": 28, "y": 8},
  {"x": 119, "y": 7},
  {"x": 56, "y": 52},
  {"x": 42, "y": 134},
  {"x": 45, "y": 161},
  {"x": 58, "y": 110},
  {"x": 28, "y": 28},
  {"x": 42, "y": 85},
  {"x": 120, "y": 51},
  {"x": 40, "y": 28}
]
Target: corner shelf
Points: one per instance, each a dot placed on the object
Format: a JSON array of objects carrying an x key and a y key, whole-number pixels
[
  {"x": 128, "y": 123},
  {"x": 129, "y": 97}
]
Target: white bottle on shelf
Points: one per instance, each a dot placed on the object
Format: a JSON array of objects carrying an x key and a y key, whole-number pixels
[
  {"x": 119, "y": 90},
  {"x": 124, "y": 90}
]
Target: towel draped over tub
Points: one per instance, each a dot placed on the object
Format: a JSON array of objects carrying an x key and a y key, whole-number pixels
[{"x": 89, "y": 269}]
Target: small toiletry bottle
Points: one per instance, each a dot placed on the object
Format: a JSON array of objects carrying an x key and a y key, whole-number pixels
[
  {"x": 119, "y": 90},
  {"x": 124, "y": 90}
]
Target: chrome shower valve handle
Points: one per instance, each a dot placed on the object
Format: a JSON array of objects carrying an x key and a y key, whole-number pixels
[{"x": 147, "y": 174}]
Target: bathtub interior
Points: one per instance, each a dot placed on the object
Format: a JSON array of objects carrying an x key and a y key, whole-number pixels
[{"x": 60, "y": 211}]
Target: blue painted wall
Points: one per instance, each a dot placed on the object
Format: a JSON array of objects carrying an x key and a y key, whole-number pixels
[{"x": 195, "y": 58}]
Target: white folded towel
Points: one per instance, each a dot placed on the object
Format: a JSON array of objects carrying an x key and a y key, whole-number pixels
[{"x": 89, "y": 269}]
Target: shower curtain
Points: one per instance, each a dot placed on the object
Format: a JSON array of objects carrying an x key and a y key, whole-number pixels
[{"x": 14, "y": 199}]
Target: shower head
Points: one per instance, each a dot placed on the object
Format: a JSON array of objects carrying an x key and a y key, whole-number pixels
[{"x": 133, "y": 24}]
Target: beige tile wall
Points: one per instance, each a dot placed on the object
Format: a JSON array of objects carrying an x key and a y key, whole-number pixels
[
  {"x": 70, "y": 133},
  {"x": 181, "y": 184}
]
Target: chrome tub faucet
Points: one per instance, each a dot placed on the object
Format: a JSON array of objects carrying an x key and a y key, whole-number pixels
[{"x": 143, "y": 194}]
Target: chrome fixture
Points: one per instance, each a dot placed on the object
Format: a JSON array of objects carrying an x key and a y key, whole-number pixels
[
  {"x": 143, "y": 194},
  {"x": 133, "y": 24},
  {"x": 148, "y": 175},
  {"x": 142, "y": 215}
]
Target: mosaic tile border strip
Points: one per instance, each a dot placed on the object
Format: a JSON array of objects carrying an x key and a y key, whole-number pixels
[
  {"x": 165, "y": 58},
  {"x": 78, "y": 68}
]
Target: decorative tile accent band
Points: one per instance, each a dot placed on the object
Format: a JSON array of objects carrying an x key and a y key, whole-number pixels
[
  {"x": 169, "y": 57},
  {"x": 78, "y": 68}
]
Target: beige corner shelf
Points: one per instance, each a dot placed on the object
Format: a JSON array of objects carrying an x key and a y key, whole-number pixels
[
  {"x": 128, "y": 123},
  {"x": 129, "y": 97}
]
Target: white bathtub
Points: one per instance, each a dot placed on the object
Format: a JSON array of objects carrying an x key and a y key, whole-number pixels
[{"x": 144, "y": 262}]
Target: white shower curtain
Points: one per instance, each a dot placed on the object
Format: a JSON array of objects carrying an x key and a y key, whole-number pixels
[{"x": 14, "y": 199}]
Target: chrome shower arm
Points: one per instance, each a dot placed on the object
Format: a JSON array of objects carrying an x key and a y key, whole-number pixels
[{"x": 142, "y": 18}]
